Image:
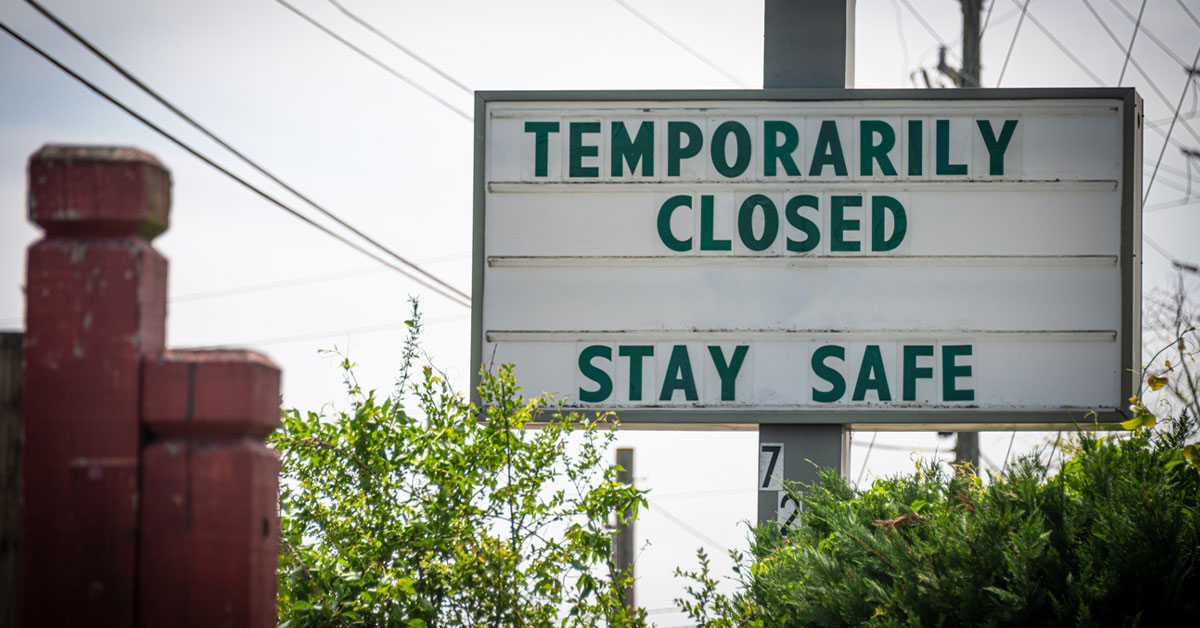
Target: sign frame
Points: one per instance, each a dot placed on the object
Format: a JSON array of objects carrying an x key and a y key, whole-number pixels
[{"x": 954, "y": 418}]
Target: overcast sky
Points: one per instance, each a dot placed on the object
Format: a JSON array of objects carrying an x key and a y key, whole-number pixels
[{"x": 398, "y": 164}]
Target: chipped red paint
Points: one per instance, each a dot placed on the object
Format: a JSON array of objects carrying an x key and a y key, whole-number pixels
[{"x": 149, "y": 498}]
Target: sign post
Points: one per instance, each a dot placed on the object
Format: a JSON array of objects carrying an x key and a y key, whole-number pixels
[{"x": 805, "y": 44}]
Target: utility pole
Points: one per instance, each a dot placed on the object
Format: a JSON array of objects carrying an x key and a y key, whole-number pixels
[
  {"x": 806, "y": 44},
  {"x": 623, "y": 539},
  {"x": 966, "y": 445}
]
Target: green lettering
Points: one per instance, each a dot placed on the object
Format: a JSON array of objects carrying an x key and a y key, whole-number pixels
[
  {"x": 812, "y": 233},
  {"x": 578, "y": 150},
  {"x": 912, "y": 371},
  {"x": 707, "y": 241},
  {"x": 943, "y": 151},
  {"x": 774, "y": 152},
  {"x": 541, "y": 144},
  {"x": 677, "y": 151},
  {"x": 679, "y": 376},
  {"x": 872, "y": 376},
  {"x": 742, "y": 159},
  {"x": 596, "y": 374},
  {"x": 820, "y": 369},
  {"x": 632, "y": 152},
  {"x": 728, "y": 371},
  {"x": 916, "y": 142},
  {"x": 664, "y": 223},
  {"x": 952, "y": 371},
  {"x": 869, "y": 152},
  {"x": 880, "y": 206},
  {"x": 839, "y": 224},
  {"x": 828, "y": 151},
  {"x": 635, "y": 353},
  {"x": 746, "y": 222},
  {"x": 996, "y": 147}
]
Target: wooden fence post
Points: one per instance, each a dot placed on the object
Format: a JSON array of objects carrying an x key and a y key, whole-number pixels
[
  {"x": 10, "y": 459},
  {"x": 149, "y": 497}
]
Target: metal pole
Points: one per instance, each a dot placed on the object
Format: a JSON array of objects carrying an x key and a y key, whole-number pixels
[{"x": 805, "y": 44}]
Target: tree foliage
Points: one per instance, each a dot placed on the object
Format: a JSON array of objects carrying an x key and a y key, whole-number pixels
[{"x": 421, "y": 509}]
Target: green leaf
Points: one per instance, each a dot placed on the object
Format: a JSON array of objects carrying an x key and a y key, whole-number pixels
[
  {"x": 917, "y": 505},
  {"x": 416, "y": 622},
  {"x": 1132, "y": 424},
  {"x": 1156, "y": 382},
  {"x": 1192, "y": 456}
]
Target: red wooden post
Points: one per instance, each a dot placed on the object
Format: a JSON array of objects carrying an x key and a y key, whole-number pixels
[
  {"x": 149, "y": 498},
  {"x": 210, "y": 529},
  {"x": 95, "y": 295}
]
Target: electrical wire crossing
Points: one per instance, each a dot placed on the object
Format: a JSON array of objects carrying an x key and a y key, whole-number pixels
[
  {"x": 401, "y": 47},
  {"x": 247, "y": 160},
  {"x": 1137, "y": 26},
  {"x": 223, "y": 170},
  {"x": 368, "y": 56},
  {"x": 1175, "y": 117},
  {"x": 1013, "y": 43}
]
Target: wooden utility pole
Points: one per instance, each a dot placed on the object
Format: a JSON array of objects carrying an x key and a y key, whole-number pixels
[
  {"x": 623, "y": 540},
  {"x": 966, "y": 445}
]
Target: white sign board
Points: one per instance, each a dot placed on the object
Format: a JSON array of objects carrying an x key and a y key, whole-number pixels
[{"x": 857, "y": 257}]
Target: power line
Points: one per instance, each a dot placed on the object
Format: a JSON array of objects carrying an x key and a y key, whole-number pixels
[
  {"x": 718, "y": 492},
  {"x": 273, "y": 285},
  {"x": 1162, "y": 250},
  {"x": 1133, "y": 38},
  {"x": 928, "y": 28},
  {"x": 900, "y": 36},
  {"x": 385, "y": 67},
  {"x": 1137, "y": 66},
  {"x": 286, "y": 283},
  {"x": 684, "y": 525},
  {"x": 862, "y": 471},
  {"x": 1188, "y": 11},
  {"x": 1158, "y": 42},
  {"x": 1013, "y": 43},
  {"x": 1062, "y": 47},
  {"x": 298, "y": 281},
  {"x": 1186, "y": 85},
  {"x": 1168, "y": 205},
  {"x": 400, "y": 47},
  {"x": 202, "y": 157},
  {"x": 679, "y": 42},
  {"x": 248, "y": 161},
  {"x": 369, "y": 329},
  {"x": 986, "y": 20}
]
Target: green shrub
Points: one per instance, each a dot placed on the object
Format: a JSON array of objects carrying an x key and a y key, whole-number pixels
[
  {"x": 1112, "y": 539},
  {"x": 429, "y": 516}
]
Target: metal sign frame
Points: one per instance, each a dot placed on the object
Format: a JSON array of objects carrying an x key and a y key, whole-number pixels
[{"x": 943, "y": 418}]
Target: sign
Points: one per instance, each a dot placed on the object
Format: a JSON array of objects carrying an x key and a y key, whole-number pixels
[{"x": 856, "y": 256}]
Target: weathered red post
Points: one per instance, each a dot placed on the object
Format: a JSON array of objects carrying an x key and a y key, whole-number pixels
[{"x": 149, "y": 498}]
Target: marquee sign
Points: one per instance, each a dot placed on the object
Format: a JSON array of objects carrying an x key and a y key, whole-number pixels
[{"x": 857, "y": 256}]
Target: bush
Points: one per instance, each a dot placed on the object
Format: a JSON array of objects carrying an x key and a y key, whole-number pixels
[
  {"x": 429, "y": 517},
  {"x": 1112, "y": 539}
]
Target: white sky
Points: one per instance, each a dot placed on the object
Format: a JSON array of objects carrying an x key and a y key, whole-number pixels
[{"x": 398, "y": 165}]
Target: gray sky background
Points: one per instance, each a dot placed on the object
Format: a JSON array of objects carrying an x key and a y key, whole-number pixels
[{"x": 398, "y": 165}]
